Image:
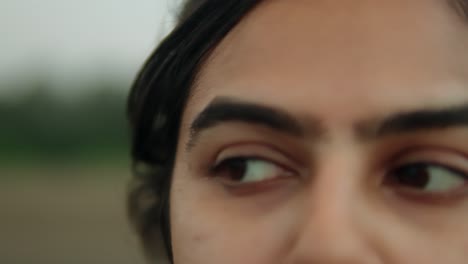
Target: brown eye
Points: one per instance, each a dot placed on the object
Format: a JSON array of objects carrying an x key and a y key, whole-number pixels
[
  {"x": 244, "y": 170},
  {"x": 426, "y": 177}
]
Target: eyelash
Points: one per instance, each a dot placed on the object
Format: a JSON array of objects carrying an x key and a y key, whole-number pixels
[
  {"x": 264, "y": 153},
  {"x": 453, "y": 176},
  {"x": 395, "y": 177},
  {"x": 224, "y": 164}
]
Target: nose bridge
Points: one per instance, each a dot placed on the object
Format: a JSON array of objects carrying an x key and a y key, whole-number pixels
[
  {"x": 334, "y": 190},
  {"x": 330, "y": 232}
]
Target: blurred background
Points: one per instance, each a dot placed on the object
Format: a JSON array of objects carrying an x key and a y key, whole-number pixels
[{"x": 65, "y": 70}]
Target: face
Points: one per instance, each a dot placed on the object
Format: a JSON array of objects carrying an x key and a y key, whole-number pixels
[{"x": 328, "y": 132}]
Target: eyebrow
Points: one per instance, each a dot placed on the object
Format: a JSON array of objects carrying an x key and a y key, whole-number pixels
[
  {"x": 461, "y": 7},
  {"x": 225, "y": 109},
  {"x": 414, "y": 121}
]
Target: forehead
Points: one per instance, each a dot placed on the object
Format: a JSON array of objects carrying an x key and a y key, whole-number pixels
[{"x": 291, "y": 51}]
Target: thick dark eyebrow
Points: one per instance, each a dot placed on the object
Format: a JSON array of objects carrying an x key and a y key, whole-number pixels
[
  {"x": 415, "y": 121},
  {"x": 225, "y": 109},
  {"x": 461, "y": 7}
]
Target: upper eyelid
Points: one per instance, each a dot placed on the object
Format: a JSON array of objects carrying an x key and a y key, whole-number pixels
[
  {"x": 255, "y": 157},
  {"x": 262, "y": 151},
  {"x": 444, "y": 157},
  {"x": 452, "y": 169},
  {"x": 400, "y": 153},
  {"x": 433, "y": 154}
]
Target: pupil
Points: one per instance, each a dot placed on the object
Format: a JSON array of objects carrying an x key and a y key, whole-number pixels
[
  {"x": 413, "y": 176},
  {"x": 237, "y": 168}
]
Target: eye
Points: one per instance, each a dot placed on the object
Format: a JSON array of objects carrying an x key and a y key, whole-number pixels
[
  {"x": 427, "y": 178},
  {"x": 248, "y": 170}
]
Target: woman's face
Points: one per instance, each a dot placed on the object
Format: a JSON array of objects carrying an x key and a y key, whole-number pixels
[{"x": 328, "y": 132}]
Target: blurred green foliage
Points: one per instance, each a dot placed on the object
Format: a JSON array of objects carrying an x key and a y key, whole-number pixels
[{"x": 41, "y": 127}]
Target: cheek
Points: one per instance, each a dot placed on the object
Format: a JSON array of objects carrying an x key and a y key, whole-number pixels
[
  {"x": 452, "y": 238},
  {"x": 420, "y": 235},
  {"x": 210, "y": 228}
]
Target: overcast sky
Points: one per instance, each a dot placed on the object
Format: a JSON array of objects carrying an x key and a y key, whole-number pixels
[{"x": 69, "y": 38}]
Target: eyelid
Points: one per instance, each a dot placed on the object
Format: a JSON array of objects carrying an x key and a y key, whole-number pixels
[
  {"x": 258, "y": 151},
  {"x": 436, "y": 197},
  {"x": 438, "y": 156}
]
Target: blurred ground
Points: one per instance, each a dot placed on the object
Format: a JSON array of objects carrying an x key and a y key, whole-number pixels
[
  {"x": 65, "y": 73},
  {"x": 64, "y": 169},
  {"x": 68, "y": 215}
]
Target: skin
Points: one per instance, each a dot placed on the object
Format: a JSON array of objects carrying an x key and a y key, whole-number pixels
[{"x": 337, "y": 64}]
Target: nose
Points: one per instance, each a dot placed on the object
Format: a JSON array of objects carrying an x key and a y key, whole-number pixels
[{"x": 332, "y": 225}]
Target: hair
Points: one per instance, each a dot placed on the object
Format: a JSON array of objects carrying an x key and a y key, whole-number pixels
[
  {"x": 158, "y": 98},
  {"x": 155, "y": 107}
]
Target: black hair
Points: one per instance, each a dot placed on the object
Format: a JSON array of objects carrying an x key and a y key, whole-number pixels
[
  {"x": 155, "y": 107},
  {"x": 158, "y": 98}
]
